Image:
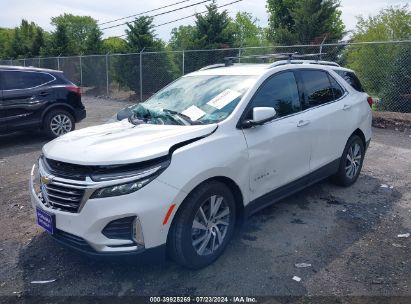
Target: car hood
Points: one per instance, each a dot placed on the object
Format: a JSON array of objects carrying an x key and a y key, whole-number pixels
[{"x": 121, "y": 142}]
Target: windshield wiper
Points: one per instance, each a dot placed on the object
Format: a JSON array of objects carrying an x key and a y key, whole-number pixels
[{"x": 183, "y": 116}]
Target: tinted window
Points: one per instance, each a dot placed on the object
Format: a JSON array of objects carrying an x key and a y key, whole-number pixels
[
  {"x": 337, "y": 89},
  {"x": 279, "y": 92},
  {"x": 13, "y": 80},
  {"x": 317, "y": 87},
  {"x": 352, "y": 79}
]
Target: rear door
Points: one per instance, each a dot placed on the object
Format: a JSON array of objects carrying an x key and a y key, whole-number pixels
[
  {"x": 279, "y": 151},
  {"x": 320, "y": 109},
  {"x": 25, "y": 93}
]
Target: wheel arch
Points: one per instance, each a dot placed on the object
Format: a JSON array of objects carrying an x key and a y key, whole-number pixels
[
  {"x": 360, "y": 134},
  {"x": 235, "y": 190},
  {"x": 58, "y": 106}
]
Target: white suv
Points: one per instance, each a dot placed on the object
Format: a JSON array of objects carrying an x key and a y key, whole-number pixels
[{"x": 199, "y": 156}]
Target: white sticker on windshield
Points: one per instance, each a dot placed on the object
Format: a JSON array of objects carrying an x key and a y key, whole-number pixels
[
  {"x": 223, "y": 99},
  {"x": 194, "y": 113}
]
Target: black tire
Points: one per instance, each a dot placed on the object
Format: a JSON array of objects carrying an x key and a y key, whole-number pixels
[
  {"x": 342, "y": 177},
  {"x": 52, "y": 116},
  {"x": 181, "y": 238}
]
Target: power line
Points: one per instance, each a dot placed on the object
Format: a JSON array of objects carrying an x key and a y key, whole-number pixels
[
  {"x": 195, "y": 14},
  {"x": 142, "y": 13},
  {"x": 186, "y": 17},
  {"x": 159, "y": 14}
]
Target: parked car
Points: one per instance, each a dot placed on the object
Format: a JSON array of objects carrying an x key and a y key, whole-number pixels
[
  {"x": 38, "y": 98},
  {"x": 204, "y": 153}
]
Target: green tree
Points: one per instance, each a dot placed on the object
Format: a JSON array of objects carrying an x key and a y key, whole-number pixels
[
  {"x": 183, "y": 38},
  {"x": 5, "y": 41},
  {"x": 304, "y": 21},
  {"x": 213, "y": 29},
  {"x": 396, "y": 94},
  {"x": 114, "y": 45},
  {"x": 82, "y": 32},
  {"x": 246, "y": 31},
  {"x": 376, "y": 64},
  {"x": 23, "y": 41},
  {"x": 157, "y": 67},
  {"x": 60, "y": 43}
]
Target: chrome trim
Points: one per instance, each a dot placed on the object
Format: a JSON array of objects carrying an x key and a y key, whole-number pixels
[{"x": 88, "y": 186}]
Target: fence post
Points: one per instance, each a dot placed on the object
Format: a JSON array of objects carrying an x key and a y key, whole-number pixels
[
  {"x": 183, "y": 62},
  {"x": 107, "y": 82},
  {"x": 239, "y": 55},
  {"x": 141, "y": 74},
  {"x": 39, "y": 61},
  {"x": 24, "y": 62},
  {"x": 58, "y": 62},
  {"x": 321, "y": 47},
  {"x": 81, "y": 71}
]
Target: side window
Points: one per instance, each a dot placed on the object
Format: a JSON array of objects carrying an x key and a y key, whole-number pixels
[
  {"x": 280, "y": 92},
  {"x": 317, "y": 87},
  {"x": 337, "y": 89},
  {"x": 13, "y": 80},
  {"x": 352, "y": 79}
]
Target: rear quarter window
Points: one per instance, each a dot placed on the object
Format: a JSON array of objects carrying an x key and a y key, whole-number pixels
[{"x": 352, "y": 79}]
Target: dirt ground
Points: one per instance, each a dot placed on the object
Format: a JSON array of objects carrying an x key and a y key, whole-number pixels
[{"x": 348, "y": 235}]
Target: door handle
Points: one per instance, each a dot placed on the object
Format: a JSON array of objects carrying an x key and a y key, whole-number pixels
[
  {"x": 346, "y": 107},
  {"x": 303, "y": 123},
  {"x": 43, "y": 94}
]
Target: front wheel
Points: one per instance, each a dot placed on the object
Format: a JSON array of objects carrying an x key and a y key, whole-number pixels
[
  {"x": 204, "y": 226},
  {"x": 58, "y": 122},
  {"x": 351, "y": 162}
]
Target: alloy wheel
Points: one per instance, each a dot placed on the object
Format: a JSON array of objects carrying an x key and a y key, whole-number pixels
[
  {"x": 61, "y": 124},
  {"x": 353, "y": 160},
  {"x": 210, "y": 225}
]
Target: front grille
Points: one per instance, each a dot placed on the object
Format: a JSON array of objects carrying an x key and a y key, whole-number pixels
[
  {"x": 121, "y": 229},
  {"x": 66, "y": 170},
  {"x": 63, "y": 198}
]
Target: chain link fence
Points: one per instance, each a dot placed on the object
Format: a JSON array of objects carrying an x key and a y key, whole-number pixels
[{"x": 383, "y": 67}]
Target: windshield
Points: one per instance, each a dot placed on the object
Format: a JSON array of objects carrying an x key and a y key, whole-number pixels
[{"x": 193, "y": 100}]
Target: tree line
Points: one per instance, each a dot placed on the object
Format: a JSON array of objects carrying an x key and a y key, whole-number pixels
[
  {"x": 301, "y": 21},
  {"x": 290, "y": 22}
]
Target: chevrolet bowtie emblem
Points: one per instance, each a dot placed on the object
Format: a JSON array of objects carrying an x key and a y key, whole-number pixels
[{"x": 46, "y": 180}]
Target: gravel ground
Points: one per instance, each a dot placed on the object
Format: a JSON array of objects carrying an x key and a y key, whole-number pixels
[{"x": 348, "y": 235}]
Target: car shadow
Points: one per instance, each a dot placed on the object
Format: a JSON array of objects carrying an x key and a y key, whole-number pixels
[
  {"x": 315, "y": 226},
  {"x": 21, "y": 142}
]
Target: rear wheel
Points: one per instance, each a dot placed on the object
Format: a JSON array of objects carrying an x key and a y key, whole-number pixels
[
  {"x": 204, "y": 226},
  {"x": 351, "y": 162},
  {"x": 58, "y": 122}
]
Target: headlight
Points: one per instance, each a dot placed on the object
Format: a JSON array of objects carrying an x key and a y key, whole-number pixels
[
  {"x": 142, "y": 178},
  {"x": 35, "y": 178},
  {"x": 122, "y": 189}
]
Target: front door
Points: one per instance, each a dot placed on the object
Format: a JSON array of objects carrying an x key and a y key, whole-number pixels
[{"x": 279, "y": 151}]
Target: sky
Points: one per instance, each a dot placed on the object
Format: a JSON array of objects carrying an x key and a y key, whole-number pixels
[{"x": 40, "y": 11}]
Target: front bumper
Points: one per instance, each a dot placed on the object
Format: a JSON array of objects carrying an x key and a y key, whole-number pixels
[{"x": 82, "y": 231}]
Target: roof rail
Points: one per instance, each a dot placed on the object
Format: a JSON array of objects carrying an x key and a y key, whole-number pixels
[
  {"x": 212, "y": 66},
  {"x": 294, "y": 61}
]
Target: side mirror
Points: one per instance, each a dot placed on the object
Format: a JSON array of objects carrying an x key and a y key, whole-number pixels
[{"x": 261, "y": 115}]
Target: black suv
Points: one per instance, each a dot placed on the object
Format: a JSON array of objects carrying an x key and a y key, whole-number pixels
[{"x": 38, "y": 98}]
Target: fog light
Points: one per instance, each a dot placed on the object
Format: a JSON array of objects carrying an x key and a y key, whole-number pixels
[{"x": 138, "y": 232}]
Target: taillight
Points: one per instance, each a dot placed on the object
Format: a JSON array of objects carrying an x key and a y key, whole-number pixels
[
  {"x": 74, "y": 89},
  {"x": 370, "y": 101}
]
